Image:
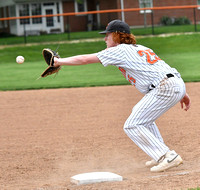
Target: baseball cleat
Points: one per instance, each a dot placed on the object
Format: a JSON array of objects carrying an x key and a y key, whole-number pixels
[
  {"x": 151, "y": 163},
  {"x": 171, "y": 159}
]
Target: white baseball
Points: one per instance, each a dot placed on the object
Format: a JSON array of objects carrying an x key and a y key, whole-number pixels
[{"x": 20, "y": 59}]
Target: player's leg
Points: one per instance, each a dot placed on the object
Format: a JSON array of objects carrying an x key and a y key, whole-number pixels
[
  {"x": 174, "y": 87},
  {"x": 151, "y": 107},
  {"x": 136, "y": 127},
  {"x": 153, "y": 129}
]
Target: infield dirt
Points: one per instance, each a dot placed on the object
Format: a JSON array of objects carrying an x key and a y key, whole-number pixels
[{"x": 47, "y": 136}]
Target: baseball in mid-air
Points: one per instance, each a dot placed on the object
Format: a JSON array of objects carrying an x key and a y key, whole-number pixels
[{"x": 20, "y": 59}]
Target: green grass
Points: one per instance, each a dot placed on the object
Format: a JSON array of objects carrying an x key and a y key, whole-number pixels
[
  {"x": 94, "y": 34},
  {"x": 16, "y": 77},
  {"x": 165, "y": 29},
  {"x": 181, "y": 52}
]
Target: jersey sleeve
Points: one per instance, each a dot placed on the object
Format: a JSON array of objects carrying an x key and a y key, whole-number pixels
[{"x": 111, "y": 56}]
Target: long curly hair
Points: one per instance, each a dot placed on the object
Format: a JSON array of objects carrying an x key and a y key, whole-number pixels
[{"x": 123, "y": 38}]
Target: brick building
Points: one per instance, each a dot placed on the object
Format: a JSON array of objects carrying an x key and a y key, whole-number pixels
[
  {"x": 137, "y": 18},
  {"x": 13, "y": 8}
]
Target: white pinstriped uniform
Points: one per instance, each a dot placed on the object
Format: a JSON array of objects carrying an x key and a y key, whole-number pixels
[{"x": 142, "y": 68}]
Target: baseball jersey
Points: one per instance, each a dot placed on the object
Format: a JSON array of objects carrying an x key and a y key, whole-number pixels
[{"x": 139, "y": 64}]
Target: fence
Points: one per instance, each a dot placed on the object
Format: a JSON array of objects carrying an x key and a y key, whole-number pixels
[{"x": 107, "y": 15}]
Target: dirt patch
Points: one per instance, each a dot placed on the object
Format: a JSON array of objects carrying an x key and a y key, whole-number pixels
[{"x": 47, "y": 136}]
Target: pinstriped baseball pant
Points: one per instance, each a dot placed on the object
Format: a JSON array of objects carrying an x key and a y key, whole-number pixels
[{"x": 140, "y": 125}]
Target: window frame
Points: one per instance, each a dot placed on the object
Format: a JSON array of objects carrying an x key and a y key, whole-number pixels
[
  {"x": 147, "y": 10},
  {"x": 198, "y": 3},
  {"x": 27, "y": 20},
  {"x": 76, "y": 4},
  {"x": 36, "y": 20}
]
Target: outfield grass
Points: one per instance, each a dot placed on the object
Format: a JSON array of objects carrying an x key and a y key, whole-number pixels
[
  {"x": 181, "y": 52},
  {"x": 94, "y": 34}
]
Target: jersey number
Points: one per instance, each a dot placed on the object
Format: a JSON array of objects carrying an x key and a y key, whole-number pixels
[
  {"x": 151, "y": 56},
  {"x": 130, "y": 79}
]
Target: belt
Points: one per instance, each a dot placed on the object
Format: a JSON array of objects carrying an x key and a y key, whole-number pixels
[{"x": 168, "y": 76}]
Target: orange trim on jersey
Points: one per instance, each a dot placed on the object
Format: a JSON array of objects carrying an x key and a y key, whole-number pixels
[
  {"x": 123, "y": 71},
  {"x": 130, "y": 78}
]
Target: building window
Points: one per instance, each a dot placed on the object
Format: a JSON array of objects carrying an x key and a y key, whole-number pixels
[
  {"x": 3, "y": 14},
  {"x": 49, "y": 20},
  {"x": 198, "y": 3},
  {"x": 80, "y": 5},
  {"x": 12, "y": 13},
  {"x": 145, "y": 4},
  {"x": 36, "y": 10},
  {"x": 24, "y": 11}
]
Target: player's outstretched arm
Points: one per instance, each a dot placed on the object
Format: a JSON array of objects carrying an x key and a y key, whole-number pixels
[
  {"x": 186, "y": 100},
  {"x": 77, "y": 60}
]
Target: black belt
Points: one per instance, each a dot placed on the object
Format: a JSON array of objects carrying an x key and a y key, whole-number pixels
[{"x": 168, "y": 76}]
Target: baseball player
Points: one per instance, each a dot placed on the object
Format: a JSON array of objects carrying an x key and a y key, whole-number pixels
[{"x": 161, "y": 85}]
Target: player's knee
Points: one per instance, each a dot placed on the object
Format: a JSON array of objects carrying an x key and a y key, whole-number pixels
[
  {"x": 125, "y": 129},
  {"x": 132, "y": 124},
  {"x": 125, "y": 126},
  {"x": 128, "y": 125}
]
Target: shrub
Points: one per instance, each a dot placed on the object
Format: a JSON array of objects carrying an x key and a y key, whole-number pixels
[
  {"x": 165, "y": 20},
  {"x": 182, "y": 21}
]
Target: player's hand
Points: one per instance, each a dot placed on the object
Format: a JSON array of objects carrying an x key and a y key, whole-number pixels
[{"x": 186, "y": 100}]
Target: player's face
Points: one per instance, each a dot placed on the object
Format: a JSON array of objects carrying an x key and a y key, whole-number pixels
[{"x": 109, "y": 40}]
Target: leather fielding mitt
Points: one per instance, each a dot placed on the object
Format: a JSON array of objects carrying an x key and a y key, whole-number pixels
[{"x": 49, "y": 55}]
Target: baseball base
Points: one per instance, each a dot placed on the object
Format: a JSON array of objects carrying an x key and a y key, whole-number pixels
[{"x": 95, "y": 177}]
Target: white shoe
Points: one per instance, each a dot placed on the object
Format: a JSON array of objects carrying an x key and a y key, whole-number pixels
[
  {"x": 171, "y": 159},
  {"x": 151, "y": 163}
]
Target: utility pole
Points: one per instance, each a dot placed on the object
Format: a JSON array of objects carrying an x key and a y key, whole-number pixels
[
  {"x": 145, "y": 16},
  {"x": 122, "y": 13}
]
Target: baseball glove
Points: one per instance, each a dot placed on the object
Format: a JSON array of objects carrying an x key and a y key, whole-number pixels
[{"x": 49, "y": 55}]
